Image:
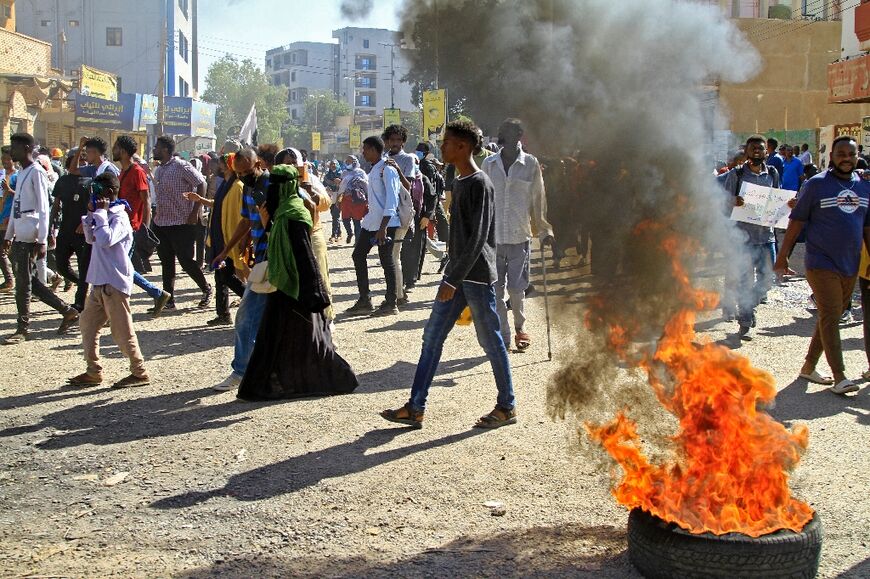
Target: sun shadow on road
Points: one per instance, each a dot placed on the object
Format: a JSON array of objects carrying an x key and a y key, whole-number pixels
[
  {"x": 109, "y": 421},
  {"x": 570, "y": 550},
  {"x": 802, "y": 401},
  {"x": 299, "y": 472}
]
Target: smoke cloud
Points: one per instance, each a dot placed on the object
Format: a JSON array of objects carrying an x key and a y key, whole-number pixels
[
  {"x": 356, "y": 9},
  {"x": 625, "y": 84}
]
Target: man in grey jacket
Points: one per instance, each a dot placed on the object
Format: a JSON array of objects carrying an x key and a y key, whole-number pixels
[{"x": 26, "y": 238}]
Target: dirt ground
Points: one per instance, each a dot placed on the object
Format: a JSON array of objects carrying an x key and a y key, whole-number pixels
[{"x": 175, "y": 480}]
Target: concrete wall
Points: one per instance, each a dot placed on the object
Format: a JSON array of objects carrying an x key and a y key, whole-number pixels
[
  {"x": 23, "y": 54},
  {"x": 793, "y": 78}
]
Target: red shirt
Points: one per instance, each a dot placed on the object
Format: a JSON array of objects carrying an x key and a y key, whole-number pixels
[{"x": 134, "y": 180}]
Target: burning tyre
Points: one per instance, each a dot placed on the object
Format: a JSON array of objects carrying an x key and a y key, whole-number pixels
[{"x": 662, "y": 550}]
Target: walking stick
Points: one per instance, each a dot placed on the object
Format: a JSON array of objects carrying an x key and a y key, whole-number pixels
[{"x": 546, "y": 303}]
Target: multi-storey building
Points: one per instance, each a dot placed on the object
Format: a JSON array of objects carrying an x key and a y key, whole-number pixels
[
  {"x": 364, "y": 69},
  {"x": 122, "y": 37},
  {"x": 304, "y": 68}
]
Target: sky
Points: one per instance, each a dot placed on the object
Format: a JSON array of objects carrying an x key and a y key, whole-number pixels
[{"x": 248, "y": 28}]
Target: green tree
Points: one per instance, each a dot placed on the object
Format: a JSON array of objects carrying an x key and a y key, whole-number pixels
[
  {"x": 321, "y": 111},
  {"x": 234, "y": 86}
]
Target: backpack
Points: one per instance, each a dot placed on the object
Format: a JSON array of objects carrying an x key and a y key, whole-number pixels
[
  {"x": 358, "y": 190},
  {"x": 406, "y": 206},
  {"x": 741, "y": 170},
  {"x": 417, "y": 193}
]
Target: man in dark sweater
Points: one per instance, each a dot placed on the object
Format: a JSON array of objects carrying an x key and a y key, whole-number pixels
[{"x": 468, "y": 281}]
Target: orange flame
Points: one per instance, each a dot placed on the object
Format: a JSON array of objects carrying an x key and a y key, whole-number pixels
[{"x": 731, "y": 462}]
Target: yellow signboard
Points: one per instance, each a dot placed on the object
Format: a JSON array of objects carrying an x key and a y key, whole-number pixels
[
  {"x": 434, "y": 112},
  {"x": 392, "y": 117},
  {"x": 98, "y": 84},
  {"x": 355, "y": 140},
  {"x": 315, "y": 141}
]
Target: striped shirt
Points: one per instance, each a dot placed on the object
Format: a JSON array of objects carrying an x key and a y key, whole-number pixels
[
  {"x": 175, "y": 177},
  {"x": 254, "y": 197}
]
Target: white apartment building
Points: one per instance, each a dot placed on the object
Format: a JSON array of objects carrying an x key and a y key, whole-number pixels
[{"x": 304, "y": 68}]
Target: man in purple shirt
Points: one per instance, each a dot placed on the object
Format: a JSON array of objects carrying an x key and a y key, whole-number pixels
[{"x": 175, "y": 220}]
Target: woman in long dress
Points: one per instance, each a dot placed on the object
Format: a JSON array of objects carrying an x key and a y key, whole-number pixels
[{"x": 294, "y": 355}]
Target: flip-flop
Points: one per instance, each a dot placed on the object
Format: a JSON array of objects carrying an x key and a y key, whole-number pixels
[
  {"x": 817, "y": 378},
  {"x": 844, "y": 387}
]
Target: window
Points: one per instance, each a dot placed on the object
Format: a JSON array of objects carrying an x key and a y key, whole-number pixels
[
  {"x": 294, "y": 114},
  {"x": 183, "y": 87},
  {"x": 293, "y": 76},
  {"x": 366, "y": 81},
  {"x": 5, "y": 11},
  {"x": 366, "y": 63},
  {"x": 113, "y": 37},
  {"x": 43, "y": 23},
  {"x": 276, "y": 79},
  {"x": 365, "y": 43},
  {"x": 183, "y": 46},
  {"x": 268, "y": 63},
  {"x": 293, "y": 96},
  {"x": 286, "y": 58},
  {"x": 182, "y": 5},
  {"x": 73, "y": 23},
  {"x": 365, "y": 100},
  {"x": 293, "y": 58}
]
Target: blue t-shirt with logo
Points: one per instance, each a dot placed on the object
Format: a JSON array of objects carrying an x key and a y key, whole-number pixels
[{"x": 836, "y": 213}]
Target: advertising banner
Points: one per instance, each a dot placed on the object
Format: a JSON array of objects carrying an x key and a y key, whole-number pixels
[
  {"x": 202, "y": 118},
  {"x": 434, "y": 112},
  {"x": 105, "y": 114},
  {"x": 392, "y": 117},
  {"x": 355, "y": 140},
  {"x": 315, "y": 141},
  {"x": 148, "y": 111},
  {"x": 177, "y": 116},
  {"x": 98, "y": 84}
]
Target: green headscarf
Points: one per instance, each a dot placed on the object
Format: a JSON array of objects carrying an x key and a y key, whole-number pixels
[{"x": 283, "y": 273}]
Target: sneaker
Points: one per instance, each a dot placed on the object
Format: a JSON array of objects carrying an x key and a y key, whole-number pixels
[
  {"x": 132, "y": 381},
  {"x": 70, "y": 319},
  {"x": 170, "y": 305},
  {"x": 385, "y": 309},
  {"x": 844, "y": 387},
  {"x": 67, "y": 286},
  {"x": 16, "y": 338},
  {"x": 404, "y": 415},
  {"x": 206, "y": 298},
  {"x": 224, "y": 320},
  {"x": 745, "y": 333},
  {"x": 349, "y": 238},
  {"x": 847, "y": 318},
  {"x": 362, "y": 306},
  {"x": 7, "y": 286},
  {"x": 230, "y": 383},
  {"x": 85, "y": 380},
  {"x": 160, "y": 303},
  {"x": 402, "y": 301}
]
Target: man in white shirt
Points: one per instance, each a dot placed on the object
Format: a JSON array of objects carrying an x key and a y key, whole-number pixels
[
  {"x": 379, "y": 228},
  {"x": 26, "y": 238},
  {"x": 520, "y": 200},
  {"x": 805, "y": 157}
]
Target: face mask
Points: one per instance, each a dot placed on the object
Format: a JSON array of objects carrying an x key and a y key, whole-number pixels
[{"x": 420, "y": 154}]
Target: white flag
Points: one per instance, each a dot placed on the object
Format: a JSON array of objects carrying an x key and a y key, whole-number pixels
[{"x": 248, "y": 134}]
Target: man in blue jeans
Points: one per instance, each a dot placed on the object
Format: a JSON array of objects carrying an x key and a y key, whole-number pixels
[{"x": 468, "y": 281}]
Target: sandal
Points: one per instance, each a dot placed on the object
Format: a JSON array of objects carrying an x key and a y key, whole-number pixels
[
  {"x": 85, "y": 380},
  {"x": 404, "y": 415},
  {"x": 817, "y": 378},
  {"x": 132, "y": 381},
  {"x": 523, "y": 341},
  {"x": 497, "y": 418}
]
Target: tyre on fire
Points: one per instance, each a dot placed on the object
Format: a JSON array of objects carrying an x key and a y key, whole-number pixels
[{"x": 661, "y": 550}]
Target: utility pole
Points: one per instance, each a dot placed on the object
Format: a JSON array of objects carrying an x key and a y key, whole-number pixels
[
  {"x": 392, "y": 72},
  {"x": 161, "y": 91}
]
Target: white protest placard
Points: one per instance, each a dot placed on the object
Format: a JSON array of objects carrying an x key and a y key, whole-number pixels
[{"x": 764, "y": 206}]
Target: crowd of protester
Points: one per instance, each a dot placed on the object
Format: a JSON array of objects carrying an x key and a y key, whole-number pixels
[{"x": 245, "y": 225}]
